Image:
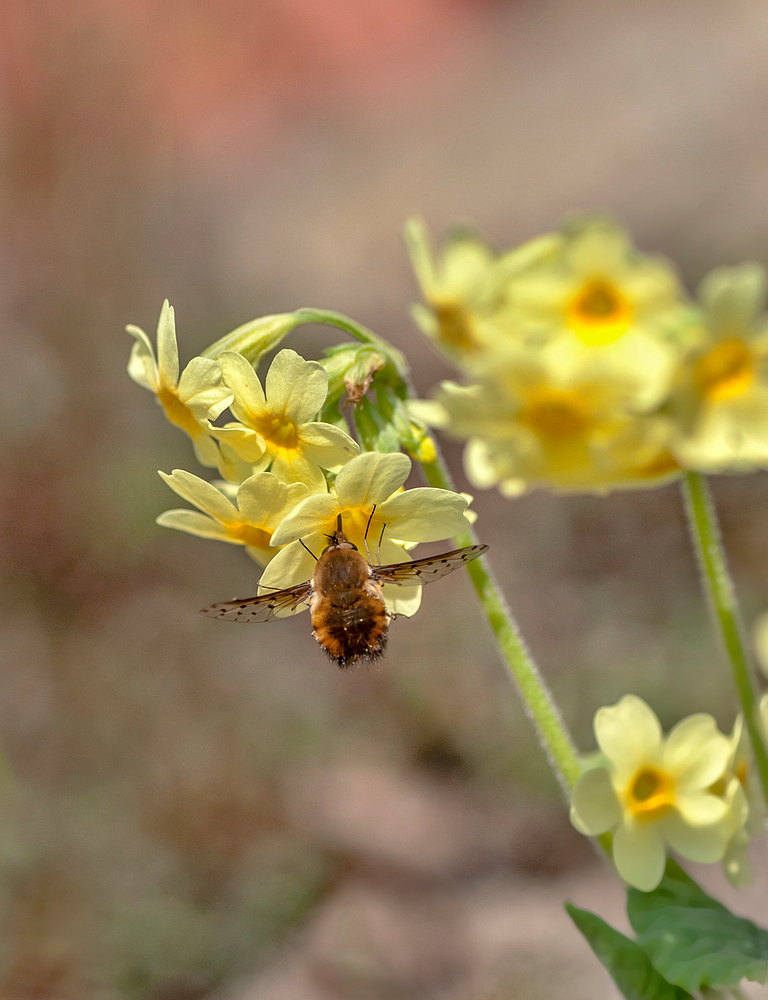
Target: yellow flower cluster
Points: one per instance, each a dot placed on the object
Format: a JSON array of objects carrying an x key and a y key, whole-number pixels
[
  {"x": 286, "y": 474},
  {"x": 693, "y": 790},
  {"x": 588, "y": 366}
]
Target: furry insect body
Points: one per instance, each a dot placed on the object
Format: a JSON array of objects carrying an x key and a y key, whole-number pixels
[
  {"x": 349, "y": 618},
  {"x": 345, "y": 596}
]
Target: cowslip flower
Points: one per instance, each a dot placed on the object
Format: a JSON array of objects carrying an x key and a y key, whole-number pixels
[
  {"x": 276, "y": 428},
  {"x": 600, "y": 303},
  {"x": 377, "y": 516},
  {"x": 721, "y": 400},
  {"x": 261, "y": 503},
  {"x": 465, "y": 288},
  {"x": 654, "y": 792},
  {"x": 528, "y": 427},
  {"x": 191, "y": 400},
  {"x": 741, "y": 789}
]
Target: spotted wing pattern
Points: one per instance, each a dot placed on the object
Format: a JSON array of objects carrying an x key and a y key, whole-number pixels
[
  {"x": 422, "y": 571},
  {"x": 264, "y": 608}
]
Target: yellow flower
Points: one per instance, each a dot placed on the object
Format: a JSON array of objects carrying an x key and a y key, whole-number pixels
[
  {"x": 741, "y": 789},
  {"x": 189, "y": 401},
  {"x": 654, "y": 791},
  {"x": 600, "y": 304},
  {"x": 276, "y": 428},
  {"x": 465, "y": 290},
  {"x": 721, "y": 400},
  {"x": 261, "y": 504},
  {"x": 529, "y": 426},
  {"x": 368, "y": 496}
]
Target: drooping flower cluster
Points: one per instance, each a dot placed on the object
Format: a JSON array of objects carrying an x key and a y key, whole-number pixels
[
  {"x": 287, "y": 475},
  {"x": 692, "y": 790},
  {"x": 588, "y": 366}
]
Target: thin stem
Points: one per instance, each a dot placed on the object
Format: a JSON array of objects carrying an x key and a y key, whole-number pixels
[
  {"x": 721, "y": 597},
  {"x": 537, "y": 699},
  {"x": 356, "y": 330}
]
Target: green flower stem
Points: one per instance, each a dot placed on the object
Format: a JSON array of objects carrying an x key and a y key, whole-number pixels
[
  {"x": 721, "y": 595},
  {"x": 536, "y": 696},
  {"x": 361, "y": 333}
]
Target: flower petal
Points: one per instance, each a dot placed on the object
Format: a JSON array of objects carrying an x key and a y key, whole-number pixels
[
  {"x": 311, "y": 516},
  {"x": 201, "y": 388},
  {"x": 595, "y": 806},
  {"x": 330, "y": 447},
  {"x": 264, "y": 500},
  {"x": 371, "y": 478},
  {"x": 195, "y": 524},
  {"x": 142, "y": 366},
  {"x": 639, "y": 855},
  {"x": 167, "y": 349},
  {"x": 294, "y": 467},
  {"x": 700, "y": 808},
  {"x": 697, "y": 843},
  {"x": 238, "y": 375},
  {"x": 424, "y": 514},
  {"x": 696, "y": 752},
  {"x": 291, "y": 566},
  {"x": 628, "y": 733},
  {"x": 200, "y": 493},
  {"x": 733, "y": 297},
  {"x": 295, "y": 387},
  {"x": 402, "y": 601}
]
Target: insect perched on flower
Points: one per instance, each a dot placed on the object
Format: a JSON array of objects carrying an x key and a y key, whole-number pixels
[{"x": 349, "y": 617}]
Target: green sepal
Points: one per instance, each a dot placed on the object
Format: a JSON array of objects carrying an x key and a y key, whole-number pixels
[
  {"x": 628, "y": 965},
  {"x": 692, "y": 939},
  {"x": 256, "y": 338}
]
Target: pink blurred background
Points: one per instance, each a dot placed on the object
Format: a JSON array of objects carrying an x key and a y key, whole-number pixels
[{"x": 197, "y": 810}]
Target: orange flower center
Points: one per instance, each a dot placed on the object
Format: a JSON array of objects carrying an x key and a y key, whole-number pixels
[
  {"x": 250, "y": 534},
  {"x": 278, "y": 433},
  {"x": 556, "y": 414},
  {"x": 726, "y": 371},
  {"x": 179, "y": 414},
  {"x": 599, "y": 314},
  {"x": 651, "y": 793}
]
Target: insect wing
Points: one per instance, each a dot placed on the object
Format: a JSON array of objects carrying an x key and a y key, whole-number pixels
[
  {"x": 422, "y": 571},
  {"x": 264, "y": 608}
]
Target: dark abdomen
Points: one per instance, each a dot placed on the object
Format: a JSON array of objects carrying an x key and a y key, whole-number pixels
[{"x": 351, "y": 630}]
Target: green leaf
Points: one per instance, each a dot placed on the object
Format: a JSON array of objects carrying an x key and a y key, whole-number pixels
[
  {"x": 692, "y": 939},
  {"x": 628, "y": 965}
]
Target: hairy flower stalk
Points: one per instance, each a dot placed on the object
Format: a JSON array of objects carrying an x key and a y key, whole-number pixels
[
  {"x": 721, "y": 595},
  {"x": 537, "y": 698}
]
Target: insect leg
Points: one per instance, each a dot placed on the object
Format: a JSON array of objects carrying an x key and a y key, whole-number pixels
[
  {"x": 381, "y": 539},
  {"x": 365, "y": 536},
  {"x": 309, "y": 550}
]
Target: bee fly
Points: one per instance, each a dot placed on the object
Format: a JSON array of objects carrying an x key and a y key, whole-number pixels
[{"x": 349, "y": 618}]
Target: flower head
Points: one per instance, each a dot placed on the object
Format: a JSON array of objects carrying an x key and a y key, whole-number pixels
[
  {"x": 653, "y": 791},
  {"x": 465, "y": 289},
  {"x": 377, "y": 515},
  {"x": 529, "y": 426},
  {"x": 191, "y": 400},
  {"x": 721, "y": 399},
  {"x": 602, "y": 304},
  {"x": 740, "y": 788},
  {"x": 276, "y": 427},
  {"x": 262, "y": 502}
]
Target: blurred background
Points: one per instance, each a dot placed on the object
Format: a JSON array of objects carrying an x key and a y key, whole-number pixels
[{"x": 200, "y": 810}]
